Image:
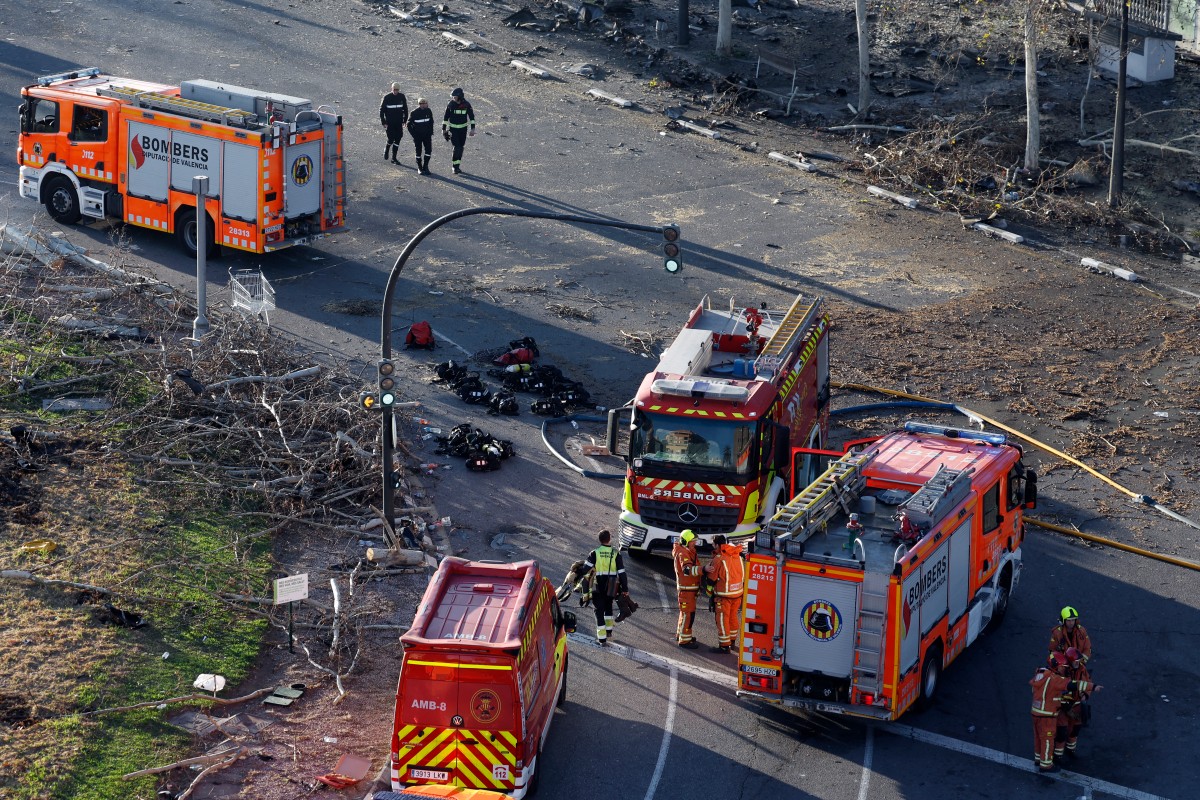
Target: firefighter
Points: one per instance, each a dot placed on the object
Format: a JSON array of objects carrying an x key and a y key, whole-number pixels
[
  {"x": 458, "y": 118},
  {"x": 1071, "y": 633},
  {"x": 1052, "y": 686},
  {"x": 420, "y": 125},
  {"x": 393, "y": 113},
  {"x": 687, "y": 584},
  {"x": 609, "y": 580},
  {"x": 727, "y": 572},
  {"x": 1072, "y": 716}
]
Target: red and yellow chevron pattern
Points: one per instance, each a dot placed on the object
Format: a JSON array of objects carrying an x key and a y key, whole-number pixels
[{"x": 470, "y": 758}]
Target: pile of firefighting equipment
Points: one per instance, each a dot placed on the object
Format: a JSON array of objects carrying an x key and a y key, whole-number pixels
[
  {"x": 483, "y": 451},
  {"x": 517, "y": 372}
]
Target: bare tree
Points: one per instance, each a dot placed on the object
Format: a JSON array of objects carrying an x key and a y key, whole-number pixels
[
  {"x": 1033, "y": 134},
  {"x": 725, "y": 28},
  {"x": 864, "y": 56}
]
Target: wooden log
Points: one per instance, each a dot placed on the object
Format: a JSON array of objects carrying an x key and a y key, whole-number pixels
[{"x": 395, "y": 557}]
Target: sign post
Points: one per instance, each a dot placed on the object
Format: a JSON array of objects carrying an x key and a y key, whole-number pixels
[{"x": 288, "y": 590}]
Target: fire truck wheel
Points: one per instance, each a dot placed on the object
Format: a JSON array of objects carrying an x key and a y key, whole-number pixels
[
  {"x": 185, "y": 233},
  {"x": 931, "y": 675},
  {"x": 1001, "y": 606},
  {"x": 62, "y": 202},
  {"x": 562, "y": 693},
  {"x": 535, "y": 779}
]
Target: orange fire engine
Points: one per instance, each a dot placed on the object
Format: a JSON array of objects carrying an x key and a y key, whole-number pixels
[
  {"x": 713, "y": 427},
  {"x": 485, "y": 665},
  {"x": 97, "y": 146},
  {"x": 883, "y": 570}
]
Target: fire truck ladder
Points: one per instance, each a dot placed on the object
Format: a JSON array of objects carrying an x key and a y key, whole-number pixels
[
  {"x": 787, "y": 336},
  {"x": 868, "y": 643},
  {"x": 192, "y": 109},
  {"x": 335, "y": 166},
  {"x": 824, "y": 497}
]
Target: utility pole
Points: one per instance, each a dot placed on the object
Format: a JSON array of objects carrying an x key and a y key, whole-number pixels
[
  {"x": 681, "y": 22},
  {"x": 1116, "y": 176},
  {"x": 672, "y": 262},
  {"x": 200, "y": 324}
]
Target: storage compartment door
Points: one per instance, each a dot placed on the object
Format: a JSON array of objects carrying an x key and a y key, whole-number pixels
[
  {"x": 303, "y": 163},
  {"x": 148, "y": 161},
  {"x": 195, "y": 156},
  {"x": 819, "y": 632},
  {"x": 239, "y": 182}
]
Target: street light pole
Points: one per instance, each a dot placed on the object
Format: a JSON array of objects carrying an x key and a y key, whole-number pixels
[
  {"x": 385, "y": 333},
  {"x": 200, "y": 324}
]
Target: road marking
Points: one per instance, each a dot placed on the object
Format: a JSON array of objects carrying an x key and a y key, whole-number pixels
[
  {"x": 446, "y": 338},
  {"x": 1023, "y": 764},
  {"x": 674, "y": 666},
  {"x": 868, "y": 756},
  {"x": 668, "y": 727},
  {"x": 662, "y": 592}
]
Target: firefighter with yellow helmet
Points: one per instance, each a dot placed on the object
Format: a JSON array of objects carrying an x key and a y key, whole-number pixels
[
  {"x": 688, "y": 573},
  {"x": 1071, "y": 633}
]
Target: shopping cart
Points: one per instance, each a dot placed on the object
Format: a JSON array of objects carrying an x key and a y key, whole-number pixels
[{"x": 252, "y": 293}]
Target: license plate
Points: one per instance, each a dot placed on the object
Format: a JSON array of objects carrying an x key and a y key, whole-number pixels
[
  {"x": 754, "y": 669},
  {"x": 429, "y": 774}
]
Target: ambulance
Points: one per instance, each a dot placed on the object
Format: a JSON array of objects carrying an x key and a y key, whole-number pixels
[
  {"x": 100, "y": 147},
  {"x": 880, "y": 573},
  {"x": 485, "y": 665}
]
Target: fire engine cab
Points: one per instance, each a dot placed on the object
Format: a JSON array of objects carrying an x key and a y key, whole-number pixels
[
  {"x": 712, "y": 429},
  {"x": 98, "y": 146},
  {"x": 882, "y": 571}
]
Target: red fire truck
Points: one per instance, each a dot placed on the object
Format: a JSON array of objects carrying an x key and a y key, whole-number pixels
[
  {"x": 713, "y": 427},
  {"x": 98, "y": 146},
  {"x": 882, "y": 571}
]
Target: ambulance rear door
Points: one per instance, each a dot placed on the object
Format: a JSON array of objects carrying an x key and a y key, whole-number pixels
[{"x": 427, "y": 719}]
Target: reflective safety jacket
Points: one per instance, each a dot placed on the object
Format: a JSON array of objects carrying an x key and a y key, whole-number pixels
[
  {"x": 727, "y": 571},
  {"x": 1061, "y": 639},
  {"x": 609, "y": 566},
  {"x": 1051, "y": 690},
  {"x": 687, "y": 567},
  {"x": 459, "y": 115},
  {"x": 393, "y": 109}
]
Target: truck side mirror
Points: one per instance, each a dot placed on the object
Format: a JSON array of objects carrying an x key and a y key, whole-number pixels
[
  {"x": 613, "y": 433},
  {"x": 569, "y": 621},
  {"x": 1030, "y": 489},
  {"x": 783, "y": 448}
]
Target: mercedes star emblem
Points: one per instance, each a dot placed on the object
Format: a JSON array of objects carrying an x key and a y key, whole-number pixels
[{"x": 688, "y": 513}]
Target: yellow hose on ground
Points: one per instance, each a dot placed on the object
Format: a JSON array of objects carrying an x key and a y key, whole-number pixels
[{"x": 1050, "y": 526}]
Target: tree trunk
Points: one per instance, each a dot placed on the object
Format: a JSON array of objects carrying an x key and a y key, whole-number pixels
[
  {"x": 864, "y": 56},
  {"x": 725, "y": 28},
  {"x": 1032, "y": 129}
]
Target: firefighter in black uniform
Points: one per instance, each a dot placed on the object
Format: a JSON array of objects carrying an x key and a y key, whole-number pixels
[
  {"x": 458, "y": 118},
  {"x": 393, "y": 113},
  {"x": 420, "y": 125}
]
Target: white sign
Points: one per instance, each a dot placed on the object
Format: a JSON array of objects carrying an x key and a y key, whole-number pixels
[{"x": 291, "y": 588}]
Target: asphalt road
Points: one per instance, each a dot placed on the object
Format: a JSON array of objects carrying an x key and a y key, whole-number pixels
[{"x": 753, "y": 230}]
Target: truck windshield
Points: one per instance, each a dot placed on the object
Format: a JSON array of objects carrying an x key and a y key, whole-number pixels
[{"x": 667, "y": 443}]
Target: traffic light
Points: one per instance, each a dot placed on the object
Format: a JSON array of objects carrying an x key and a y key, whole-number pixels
[
  {"x": 672, "y": 254},
  {"x": 387, "y": 383},
  {"x": 368, "y": 400}
]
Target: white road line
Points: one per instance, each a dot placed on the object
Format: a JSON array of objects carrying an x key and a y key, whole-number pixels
[
  {"x": 1022, "y": 764},
  {"x": 668, "y": 727},
  {"x": 674, "y": 666},
  {"x": 444, "y": 338},
  {"x": 662, "y": 592},
  {"x": 864, "y": 785}
]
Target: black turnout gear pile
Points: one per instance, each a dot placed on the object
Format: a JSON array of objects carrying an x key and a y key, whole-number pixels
[{"x": 483, "y": 451}]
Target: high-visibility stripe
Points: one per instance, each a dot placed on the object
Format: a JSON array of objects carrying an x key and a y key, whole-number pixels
[{"x": 462, "y": 666}]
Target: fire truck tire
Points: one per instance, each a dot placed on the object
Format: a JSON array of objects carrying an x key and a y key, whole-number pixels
[
  {"x": 562, "y": 692},
  {"x": 1001, "y": 606},
  {"x": 931, "y": 676},
  {"x": 62, "y": 203},
  {"x": 185, "y": 233}
]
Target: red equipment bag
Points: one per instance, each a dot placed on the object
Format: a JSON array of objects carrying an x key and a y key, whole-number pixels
[
  {"x": 518, "y": 355},
  {"x": 420, "y": 334}
]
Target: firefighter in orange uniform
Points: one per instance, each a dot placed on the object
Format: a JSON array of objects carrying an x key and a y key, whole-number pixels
[
  {"x": 1051, "y": 687},
  {"x": 727, "y": 571},
  {"x": 1071, "y": 717},
  {"x": 1071, "y": 633},
  {"x": 687, "y": 584}
]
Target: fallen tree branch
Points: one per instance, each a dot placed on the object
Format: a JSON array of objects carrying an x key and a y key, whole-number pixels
[
  {"x": 307, "y": 372},
  {"x": 186, "y": 698},
  {"x": 204, "y": 773},
  {"x": 187, "y": 762}
]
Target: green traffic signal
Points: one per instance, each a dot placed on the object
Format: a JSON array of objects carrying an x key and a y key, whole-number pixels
[
  {"x": 672, "y": 254},
  {"x": 387, "y": 383}
]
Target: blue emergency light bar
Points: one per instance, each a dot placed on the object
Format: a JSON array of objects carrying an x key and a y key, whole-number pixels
[
  {"x": 997, "y": 439},
  {"x": 81, "y": 72}
]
